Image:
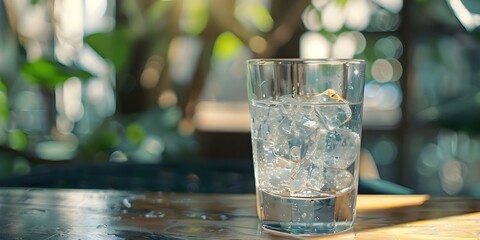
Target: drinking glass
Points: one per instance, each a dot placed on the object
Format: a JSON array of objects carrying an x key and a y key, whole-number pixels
[{"x": 306, "y": 123}]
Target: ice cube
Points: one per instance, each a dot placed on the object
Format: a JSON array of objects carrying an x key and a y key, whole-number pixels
[
  {"x": 342, "y": 147},
  {"x": 282, "y": 136},
  {"x": 266, "y": 130},
  {"x": 305, "y": 124},
  {"x": 329, "y": 107},
  {"x": 298, "y": 185},
  {"x": 310, "y": 145},
  {"x": 295, "y": 153},
  {"x": 319, "y": 99},
  {"x": 289, "y": 105},
  {"x": 299, "y": 177},
  {"x": 315, "y": 178},
  {"x": 275, "y": 177},
  {"x": 317, "y": 156},
  {"x": 288, "y": 140},
  {"x": 263, "y": 132},
  {"x": 337, "y": 181},
  {"x": 298, "y": 165},
  {"x": 261, "y": 127},
  {"x": 275, "y": 117},
  {"x": 264, "y": 159},
  {"x": 332, "y": 116},
  {"x": 259, "y": 110},
  {"x": 306, "y": 109},
  {"x": 299, "y": 134},
  {"x": 329, "y": 180},
  {"x": 262, "y": 151},
  {"x": 279, "y": 177},
  {"x": 288, "y": 108}
]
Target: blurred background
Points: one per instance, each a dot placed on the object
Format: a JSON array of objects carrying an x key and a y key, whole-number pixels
[{"x": 151, "y": 94}]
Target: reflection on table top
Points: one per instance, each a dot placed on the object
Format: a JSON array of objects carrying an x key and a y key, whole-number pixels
[{"x": 98, "y": 214}]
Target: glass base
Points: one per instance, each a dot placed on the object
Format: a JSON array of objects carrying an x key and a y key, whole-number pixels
[{"x": 304, "y": 229}]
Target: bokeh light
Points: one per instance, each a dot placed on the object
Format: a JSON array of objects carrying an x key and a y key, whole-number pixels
[
  {"x": 382, "y": 21},
  {"x": 382, "y": 96},
  {"x": 344, "y": 46},
  {"x": 333, "y": 17},
  {"x": 428, "y": 160},
  {"x": 101, "y": 97},
  {"x": 385, "y": 152},
  {"x": 397, "y": 69},
  {"x": 314, "y": 45},
  {"x": 118, "y": 156},
  {"x": 226, "y": 46},
  {"x": 167, "y": 98},
  {"x": 387, "y": 70},
  {"x": 358, "y": 14},
  {"x": 183, "y": 51},
  {"x": 311, "y": 19},
  {"x": 451, "y": 176},
  {"x": 388, "y": 47},
  {"x": 70, "y": 103},
  {"x": 194, "y": 17},
  {"x": 257, "y": 44},
  {"x": 391, "y": 5},
  {"x": 99, "y": 18},
  {"x": 449, "y": 159},
  {"x": 382, "y": 70},
  {"x": 360, "y": 41},
  {"x": 55, "y": 150},
  {"x": 186, "y": 127},
  {"x": 319, "y": 4},
  {"x": 152, "y": 72},
  {"x": 254, "y": 15}
]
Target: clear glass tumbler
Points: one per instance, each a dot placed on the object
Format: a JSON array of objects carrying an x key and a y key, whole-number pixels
[{"x": 306, "y": 123}]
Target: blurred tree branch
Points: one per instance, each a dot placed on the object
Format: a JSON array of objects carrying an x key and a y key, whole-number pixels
[{"x": 223, "y": 19}]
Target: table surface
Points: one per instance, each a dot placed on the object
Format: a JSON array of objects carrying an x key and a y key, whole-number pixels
[{"x": 99, "y": 214}]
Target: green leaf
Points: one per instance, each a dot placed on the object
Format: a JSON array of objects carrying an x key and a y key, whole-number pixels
[
  {"x": 21, "y": 166},
  {"x": 49, "y": 73},
  {"x": 226, "y": 46},
  {"x": 114, "y": 46},
  {"x": 197, "y": 10},
  {"x": 158, "y": 10},
  {"x": 3, "y": 87},
  {"x": 135, "y": 133},
  {"x": 260, "y": 16},
  {"x": 103, "y": 139},
  {"x": 18, "y": 139},
  {"x": 4, "y": 109},
  {"x": 342, "y": 3}
]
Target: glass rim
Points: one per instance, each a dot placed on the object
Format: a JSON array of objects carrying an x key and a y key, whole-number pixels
[{"x": 269, "y": 61}]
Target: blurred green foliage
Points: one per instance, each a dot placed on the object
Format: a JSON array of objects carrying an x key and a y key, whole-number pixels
[
  {"x": 18, "y": 140},
  {"x": 198, "y": 18},
  {"x": 226, "y": 46},
  {"x": 141, "y": 34},
  {"x": 115, "y": 46},
  {"x": 135, "y": 133},
  {"x": 4, "y": 109},
  {"x": 4, "y": 116},
  {"x": 48, "y": 73},
  {"x": 102, "y": 140}
]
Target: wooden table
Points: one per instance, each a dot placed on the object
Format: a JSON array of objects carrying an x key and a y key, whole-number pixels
[{"x": 96, "y": 214}]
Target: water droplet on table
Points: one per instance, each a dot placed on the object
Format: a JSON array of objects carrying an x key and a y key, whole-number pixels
[
  {"x": 34, "y": 212},
  {"x": 126, "y": 203},
  {"x": 102, "y": 226},
  {"x": 153, "y": 214}
]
